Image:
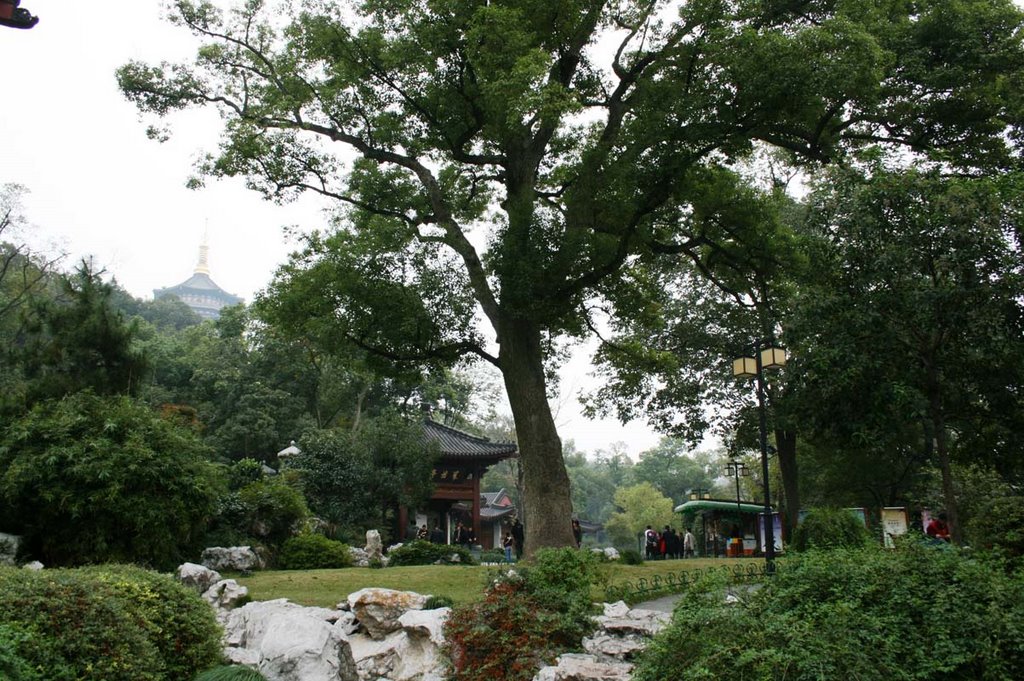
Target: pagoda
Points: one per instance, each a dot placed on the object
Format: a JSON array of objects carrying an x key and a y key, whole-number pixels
[{"x": 199, "y": 291}]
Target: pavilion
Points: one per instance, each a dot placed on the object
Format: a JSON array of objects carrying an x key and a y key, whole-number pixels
[{"x": 463, "y": 460}]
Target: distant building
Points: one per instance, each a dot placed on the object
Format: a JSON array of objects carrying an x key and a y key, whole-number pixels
[{"x": 199, "y": 291}]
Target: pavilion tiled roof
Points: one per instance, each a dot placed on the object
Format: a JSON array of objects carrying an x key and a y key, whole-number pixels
[{"x": 455, "y": 443}]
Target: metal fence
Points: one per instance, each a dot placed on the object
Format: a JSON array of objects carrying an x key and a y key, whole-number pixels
[{"x": 676, "y": 582}]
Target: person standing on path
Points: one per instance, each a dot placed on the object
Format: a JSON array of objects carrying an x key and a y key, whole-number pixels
[{"x": 688, "y": 544}]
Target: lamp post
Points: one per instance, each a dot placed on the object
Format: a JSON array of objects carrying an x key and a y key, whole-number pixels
[
  {"x": 695, "y": 494},
  {"x": 737, "y": 468},
  {"x": 766, "y": 356},
  {"x": 699, "y": 493}
]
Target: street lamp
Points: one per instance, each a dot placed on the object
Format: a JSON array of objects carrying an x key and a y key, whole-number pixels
[
  {"x": 737, "y": 468},
  {"x": 766, "y": 356},
  {"x": 699, "y": 493}
]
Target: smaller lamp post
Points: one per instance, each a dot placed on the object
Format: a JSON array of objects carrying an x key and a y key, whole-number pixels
[
  {"x": 766, "y": 356},
  {"x": 736, "y": 469},
  {"x": 699, "y": 493}
]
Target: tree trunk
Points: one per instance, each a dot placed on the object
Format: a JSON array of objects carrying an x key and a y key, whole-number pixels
[
  {"x": 941, "y": 450},
  {"x": 547, "y": 507},
  {"x": 785, "y": 442}
]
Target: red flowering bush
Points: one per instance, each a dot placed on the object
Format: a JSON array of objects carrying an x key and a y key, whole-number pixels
[{"x": 525, "y": 619}]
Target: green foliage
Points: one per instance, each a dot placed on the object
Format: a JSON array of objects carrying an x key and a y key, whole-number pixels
[
  {"x": 437, "y": 602},
  {"x": 310, "y": 551},
  {"x": 12, "y": 666},
  {"x": 272, "y": 508},
  {"x": 78, "y": 341},
  {"x": 357, "y": 479},
  {"x": 173, "y": 619},
  {"x": 492, "y": 556},
  {"x": 630, "y": 557},
  {"x": 107, "y": 624},
  {"x": 421, "y": 552},
  {"x": 870, "y": 614},
  {"x": 998, "y": 524},
  {"x": 90, "y": 479},
  {"x": 527, "y": 617},
  {"x": 829, "y": 528},
  {"x": 231, "y": 673},
  {"x": 639, "y": 506}
]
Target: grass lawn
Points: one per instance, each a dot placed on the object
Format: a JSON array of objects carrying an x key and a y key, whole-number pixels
[{"x": 460, "y": 583}]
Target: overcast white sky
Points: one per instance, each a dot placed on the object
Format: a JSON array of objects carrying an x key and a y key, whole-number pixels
[{"x": 99, "y": 187}]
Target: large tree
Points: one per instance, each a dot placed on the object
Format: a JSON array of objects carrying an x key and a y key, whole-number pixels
[
  {"x": 502, "y": 159},
  {"x": 912, "y": 333}
]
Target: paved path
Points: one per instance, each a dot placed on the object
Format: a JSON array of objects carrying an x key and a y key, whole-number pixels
[{"x": 663, "y": 604}]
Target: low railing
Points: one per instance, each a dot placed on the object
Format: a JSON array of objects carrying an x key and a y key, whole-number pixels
[{"x": 676, "y": 582}]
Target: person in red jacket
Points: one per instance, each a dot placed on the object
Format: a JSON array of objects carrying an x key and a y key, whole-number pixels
[{"x": 938, "y": 528}]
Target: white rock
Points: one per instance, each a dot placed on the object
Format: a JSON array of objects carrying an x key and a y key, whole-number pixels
[
  {"x": 425, "y": 624},
  {"x": 374, "y": 546},
  {"x": 359, "y": 557},
  {"x": 606, "y": 646},
  {"x": 378, "y": 610},
  {"x": 397, "y": 657},
  {"x": 576, "y": 667},
  {"x": 616, "y": 609},
  {"x": 225, "y": 594},
  {"x": 301, "y": 647},
  {"x": 198, "y": 577},
  {"x": 638, "y": 622},
  {"x": 34, "y": 565},
  {"x": 9, "y": 544},
  {"x": 231, "y": 558},
  {"x": 611, "y": 553}
]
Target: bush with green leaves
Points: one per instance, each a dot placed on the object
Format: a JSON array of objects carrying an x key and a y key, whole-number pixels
[
  {"x": 422, "y": 552},
  {"x": 631, "y": 557},
  {"x": 231, "y": 673},
  {"x": 918, "y": 612},
  {"x": 829, "y": 528},
  {"x": 438, "y": 602},
  {"x": 998, "y": 525},
  {"x": 311, "y": 551},
  {"x": 107, "y": 623},
  {"x": 528, "y": 616},
  {"x": 90, "y": 479},
  {"x": 13, "y": 667}
]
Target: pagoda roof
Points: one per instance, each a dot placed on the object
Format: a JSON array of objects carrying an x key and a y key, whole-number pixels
[
  {"x": 199, "y": 283},
  {"x": 456, "y": 444}
]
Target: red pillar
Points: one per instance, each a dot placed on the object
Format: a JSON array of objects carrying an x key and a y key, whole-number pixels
[{"x": 476, "y": 506}]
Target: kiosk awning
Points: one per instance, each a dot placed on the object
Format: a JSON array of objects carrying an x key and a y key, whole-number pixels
[{"x": 715, "y": 505}]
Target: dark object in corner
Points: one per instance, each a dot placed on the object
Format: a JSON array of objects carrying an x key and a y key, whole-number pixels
[{"x": 15, "y": 17}]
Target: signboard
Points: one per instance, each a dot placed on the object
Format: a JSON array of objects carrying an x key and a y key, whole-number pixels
[
  {"x": 894, "y": 524},
  {"x": 777, "y": 529}
]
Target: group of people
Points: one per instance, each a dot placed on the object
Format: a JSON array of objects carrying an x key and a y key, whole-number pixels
[
  {"x": 668, "y": 543},
  {"x": 434, "y": 536}
]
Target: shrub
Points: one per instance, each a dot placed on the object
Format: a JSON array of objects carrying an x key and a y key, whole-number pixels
[
  {"x": 527, "y": 618},
  {"x": 998, "y": 525},
  {"x": 421, "y": 552},
  {"x": 178, "y": 623},
  {"x": 271, "y": 508},
  {"x": 492, "y": 556},
  {"x": 829, "y": 528},
  {"x": 872, "y": 614},
  {"x": 231, "y": 673},
  {"x": 107, "y": 624},
  {"x": 12, "y": 666},
  {"x": 437, "y": 602},
  {"x": 313, "y": 551},
  {"x": 104, "y": 479},
  {"x": 631, "y": 557}
]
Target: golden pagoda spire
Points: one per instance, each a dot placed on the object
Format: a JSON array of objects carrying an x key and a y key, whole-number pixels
[{"x": 203, "y": 267}]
